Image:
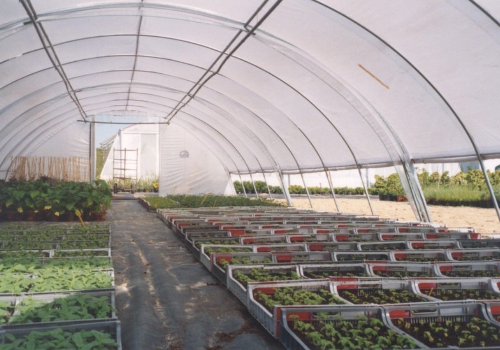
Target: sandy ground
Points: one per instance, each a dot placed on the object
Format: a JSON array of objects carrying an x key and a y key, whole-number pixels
[{"x": 483, "y": 220}]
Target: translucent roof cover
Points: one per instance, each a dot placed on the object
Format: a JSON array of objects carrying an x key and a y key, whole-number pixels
[{"x": 274, "y": 85}]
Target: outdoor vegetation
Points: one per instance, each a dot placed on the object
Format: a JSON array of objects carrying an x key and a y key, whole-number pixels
[
  {"x": 463, "y": 189},
  {"x": 209, "y": 200}
]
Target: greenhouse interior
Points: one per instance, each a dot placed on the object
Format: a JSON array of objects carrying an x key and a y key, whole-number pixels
[{"x": 251, "y": 175}]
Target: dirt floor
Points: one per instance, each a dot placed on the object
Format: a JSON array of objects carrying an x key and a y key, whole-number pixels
[
  {"x": 484, "y": 220},
  {"x": 165, "y": 298}
]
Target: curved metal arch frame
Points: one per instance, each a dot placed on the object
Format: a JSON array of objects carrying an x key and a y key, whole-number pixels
[{"x": 439, "y": 94}]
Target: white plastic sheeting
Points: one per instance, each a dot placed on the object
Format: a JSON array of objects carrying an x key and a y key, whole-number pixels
[
  {"x": 189, "y": 166},
  {"x": 316, "y": 85},
  {"x": 144, "y": 164}
]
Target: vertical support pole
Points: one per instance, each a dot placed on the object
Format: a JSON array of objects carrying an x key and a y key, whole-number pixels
[
  {"x": 253, "y": 183},
  {"x": 92, "y": 151},
  {"x": 366, "y": 190},
  {"x": 307, "y": 191},
  {"x": 330, "y": 182},
  {"x": 267, "y": 185},
  {"x": 243, "y": 185},
  {"x": 285, "y": 189}
]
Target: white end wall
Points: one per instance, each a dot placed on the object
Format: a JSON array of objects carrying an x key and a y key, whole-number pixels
[{"x": 187, "y": 166}]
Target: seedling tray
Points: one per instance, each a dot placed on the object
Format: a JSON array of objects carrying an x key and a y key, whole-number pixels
[
  {"x": 332, "y": 246},
  {"x": 436, "y": 244},
  {"x": 402, "y": 270},
  {"x": 400, "y": 236},
  {"x": 310, "y": 238},
  {"x": 469, "y": 269},
  {"x": 206, "y": 252},
  {"x": 335, "y": 271},
  {"x": 240, "y": 289},
  {"x": 355, "y": 237},
  {"x": 334, "y": 319},
  {"x": 271, "y": 319},
  {"x": 196, "y": 244},
  {"x": 378, "y": 292},
  {"x": 384, "y": 246},
  {"x": 271, "y": 239},
  {"x": 50, "y": 297},
  {"x": 474, "y": 254},
  {"x": 219, "y": 268},
  {"x": 353, "y": 256},
  {"x": 430, "y": 255},
  {"x": 480, "y": 243},
  {"x": 459, "y": 289},
  {"x": 442, "y": 324},
  {"x": 286, "y": 247},
  {"x": 110, "y": 327}
]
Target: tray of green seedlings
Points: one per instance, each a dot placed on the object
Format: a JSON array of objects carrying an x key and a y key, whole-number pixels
[
  {"x": 458, "y": 289},
  {"x": 239, "y": 276},
  {"x": 301, "y": 257},
  {"x": 378, "y": 292},
  {"x": 384, "y": 246},
  {"x": 417, "y": 245},
  {"x": 340, "y": 327},
  {"x": 220, "y": 261},
  {"x": 474, "y": 254},
  {"x": 402, "y": 270},
  {"x": 480, "y": 243},
  {"x": 189, "y": 238},
  {"x": 31, "y": 264},
  {"x": 94, "y": 335},
  {"x": 452, "y": 236},
  {"x": 90, "y": 229},
  {"x": 7, "y": 309},
  {"x": 443, "y": 325},
  {"x": 416, "y": 229},
  {"x": 284, "y": 247},
  {"x": 64, "y": 308},
  {"x": 470, "y": 269},
  {"x": 399, "y": 236},
  {"x": 72, "y": 253},
  {"x": 266, "y": 300},
  {"x": 198, "y": 242},
  {"x": 26, "y": 253},
  {"x": 55, "y": 278},
  {"x": 357, "y": 256},
  {"x": 206, "y": 251},
  {"x": 335, "y": 271},
  {"x": 331, "y": 246},
  {"x": 430, "y": 255},
  {"x": 264, "y": 239},
  {"x": 309, "y": 238},
  {"x": 355, "y": 237}
]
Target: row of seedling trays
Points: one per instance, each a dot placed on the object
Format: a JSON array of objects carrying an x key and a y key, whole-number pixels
[
  {"x": 57, "y": 298},
  {"x": 301, "y": 287}
]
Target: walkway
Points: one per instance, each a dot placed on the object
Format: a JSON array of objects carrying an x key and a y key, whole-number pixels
[{"x": 165, "y": 298}]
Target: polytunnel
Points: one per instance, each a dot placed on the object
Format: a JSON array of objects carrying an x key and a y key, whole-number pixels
[{"x": 272, "y": 86}]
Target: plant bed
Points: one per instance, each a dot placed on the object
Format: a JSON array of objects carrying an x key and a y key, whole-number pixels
[
  {"x": 402, "y": 270},
  {"x": 57, "y": 307},
  {"x": 286, "y": 247},
  {"x": 471, "y": 269},
  {"x": 441, "y": 325},
  {"x": 386, "y": 292},
  {"x": 400, "y": 236},
  {"x": 103, "y": 336},
  {"x": 301, "y": 238},
  {"x": 480, "y": 243},
  {"x": 31, "y": 264},
  {"x": 353, "y": 237},
  {"x": 384, "y": 246},
  {"x": 421, "y": 256},
  {"x": 335, "y": 271},
  {"x": 354, "y": 256},
  {"x": 271, "y": 239},
  {"x": 190, "y": 237},
  {"x": 207, "y": 251},
  {"x": 332, "y": 246},
  {"x": 474, "y": 254},
  {"x": 434, "y": 245},
  {"x": 460, "y": 289},
  {"x": 265, "y": 301},
  {"x": 82, "y": 253},
  {"x": 340, "y": 327},
  {"x": 238, "y": 277}
]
